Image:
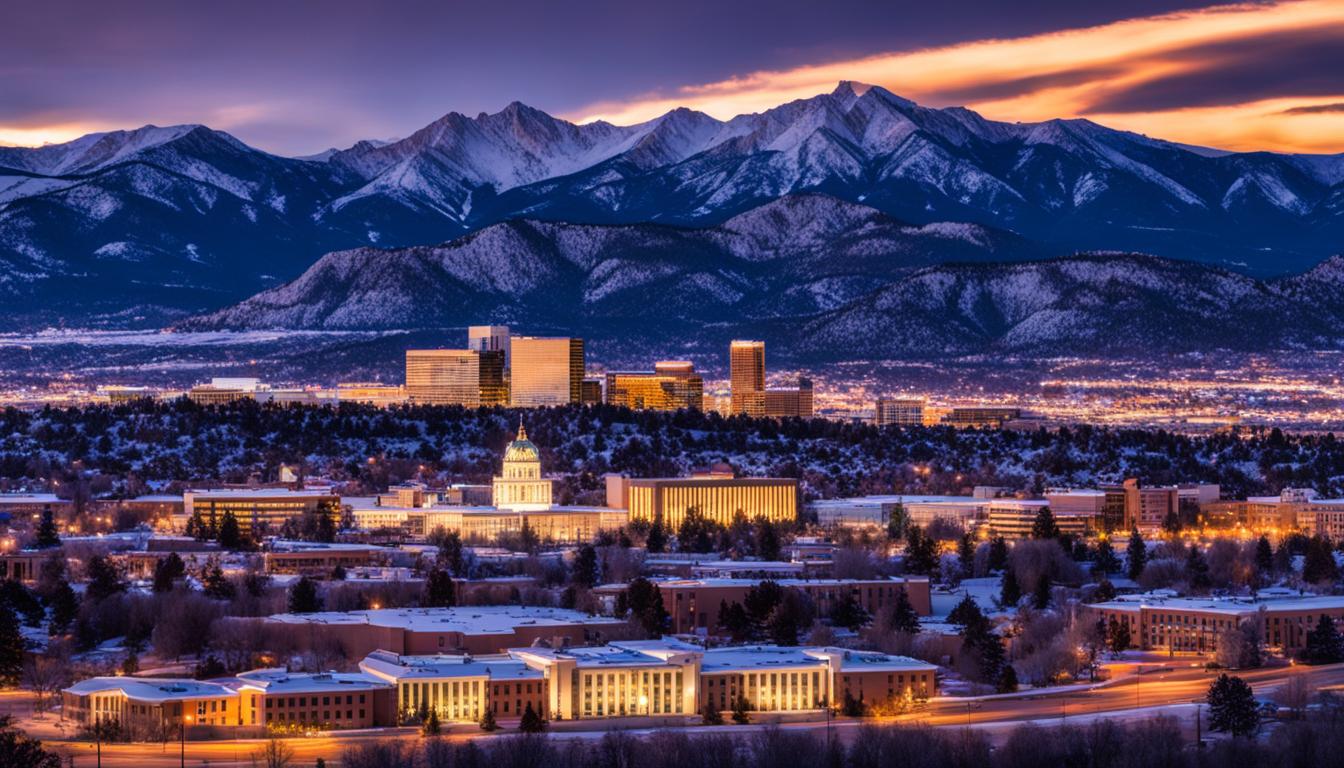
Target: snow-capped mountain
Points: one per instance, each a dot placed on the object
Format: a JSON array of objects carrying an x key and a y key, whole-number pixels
[
  {"x": 161, "y": 221},
  {"x": 819, "y": 277}
]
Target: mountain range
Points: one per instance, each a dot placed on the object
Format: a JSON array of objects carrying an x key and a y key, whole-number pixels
[{"x": 153, "y": 225}]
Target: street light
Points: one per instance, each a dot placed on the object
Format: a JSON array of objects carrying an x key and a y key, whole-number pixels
[{"x": 182, "y": 729}]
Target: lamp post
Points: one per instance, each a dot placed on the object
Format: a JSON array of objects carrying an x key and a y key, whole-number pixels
[{"x": 182, "y": 729}]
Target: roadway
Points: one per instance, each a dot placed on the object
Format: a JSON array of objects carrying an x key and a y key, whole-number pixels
[{"x": 1161, "y": 687}]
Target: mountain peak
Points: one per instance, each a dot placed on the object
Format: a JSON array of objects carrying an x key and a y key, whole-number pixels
[{"x": 851, "y": 88}]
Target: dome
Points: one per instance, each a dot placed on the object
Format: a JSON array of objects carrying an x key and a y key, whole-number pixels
[{"x": 522, "y": 449}]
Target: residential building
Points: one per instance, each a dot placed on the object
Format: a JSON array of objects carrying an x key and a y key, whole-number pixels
[
  {"x": 746, "y": 363},
  {"x": 900, "y": 411},
  {"x": 545, "y": 371},
  {"x": 672, "y": 385},
  {"x": 717, "y": 497}
]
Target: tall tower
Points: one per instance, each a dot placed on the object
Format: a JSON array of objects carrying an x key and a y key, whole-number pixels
[
  {"x": 545, "y": 371},
  {"x": 746, "y": 363}
]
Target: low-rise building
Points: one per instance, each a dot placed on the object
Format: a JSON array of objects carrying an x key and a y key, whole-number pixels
[
  {"x": 257, "y": 510},
  {"x": 780, "y": 679},
  {"x": 308, "y": 558},
  {"x": 281, "y": 700},
  {"x": 150, "y": 705},
  {"x": 1193, "y": 624},
  {"x": 716, "y": 494}
]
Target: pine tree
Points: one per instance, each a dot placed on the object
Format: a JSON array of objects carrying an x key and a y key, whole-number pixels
[
  {"x": 531, "y": 721},
  {"x": 439, "y": 591},
  {"x": 656, "y": 541},
  {"x": 1117, "y": 636},
  {"x": 47, "y": 535},
  {"x": 488, "y": 720},
  {"x": 998, "y": 553},
  {"x": 303, "y": 597},
  {"x": 767, "y": 539},
  {"x": 848, "y": 613},
  {"x": 230, "y": 535},
  {"x": 64, "y": 606},
  {"x": 1232, "y": 706},
  {"x": 1323, "y": 643},
  {"x": 1197, "y": 571},
  {"x": 1264, "y": 556},
  {"x": 966, "y": 613},
  {"x": 711, "y": 715},
  {"x": 213, "y": 582},
  {"x": 903, "y": 615},
  {"x": 1007, "y": 680},
  {"x": 1040, "y": 597},
  {"x": 1318, "y": 562},
  {"x": 11, "y": 647},
  {"x": 586, "y": 571},
  {"x": 450, "y": 553},
  {"x": 1136, "y": 554},
  {"x": 1045, "y": 527},
  {"x": 921, "y": 552},
  {"x": 1010, "y": 592},
  {"x": 966, "y": 556},
  {"x": 430, "y": 726},
  {"x": 740, "y": 707},
  {"x": 1106, "y": 562},
  {"x": 104, "y": 581},
  {"x": 168, "y": 570}
]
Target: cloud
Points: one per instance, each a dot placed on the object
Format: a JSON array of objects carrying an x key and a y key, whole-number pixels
[
  {"x": 1315, "y": 109},
  {"x": 1218, "y": 76}
]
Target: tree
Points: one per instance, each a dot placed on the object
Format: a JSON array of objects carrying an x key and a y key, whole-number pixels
[
  {"x": 586, "y": 571},
  {"x": 104, "y": 581},
  {"x": 896, "y": 522},
  {"x": 998, "y": 553},
  {"x": 711, "y": 715},
  {"x": 197, "y": 528},
  {"x": 1136, "y": 554},
  {"x": 21, "y": 751},
  {"x": 733, "y": 619},
  {"x": 1044, "y": 527},
  {"x": 644, "y": 601},
  {"x": 488, "y": 721},
  {"x": 1197, "y": 571},
  {"x": 1264, "y": 556},
  {"x": 276, "y": 754},
  {"x": 768, "y": 546},
  {"x": 1323, "y": 643},
  {"x": 450, "y": 553},
  {"x": 303, "y": 597},
  {"x": 47, "y": 535},
  {"x": 531, "y": 721},
  {"x": 697, "y": 532},
  {"x": 11, "y": 647},
  {"x": 213, "y": 582},
  {"x": 1040, "y": 597},
  {"x": 1117, "y": 636},
  {"x": 966, "y": 556},
  {"x": 1232, "y": 706},
  {"x": 789, "y": 618},
  {"x": 168, "y": 570},
  {"x": 64, "y": 605},
  {"x": 656, "y": 541},
  {"x": 230, "y": 536},
  {"x": 852, "y": 707},
  {"x": 1007, "y": 680},
  {"x": 921, "y": 552},
  {"x": 439, "y": 591},
  {"x": 1105, "y": 591},
  {"x": 1318, "y": 562},
  {"x": 1171, "y": 524},
  {"x": 431, "y": 726},
  {"x": 848, "y": 613},
  {"x": 903, "y": 617},
  {"x": 740, "y": 708},
  {"x": 1106, "y": 562},
  {"x": 1009, "y": 590},
  {"x": 966, "y": 613}
]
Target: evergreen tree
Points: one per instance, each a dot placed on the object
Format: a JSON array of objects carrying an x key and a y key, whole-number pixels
[
  {"x": 338, "y": 573},
  {"x": 788, "y": 619},
  {"x": 1105, "y": 591},
  {"x": 656, "y": 541},
  {"x": 1117, "y": 636},
  {"x": 896, "y": 522},
  {"x": 1171, "y": 524},
  {"x": 214, "y": 583},
  {"x": 64, "y": 606},
  {"x": 488, "y": 720},
  {"x": 740, "y": 708},
  {"x": 104, "y": 581},
  {"x": 768, "y": 546},
  {"x": 1323, "y": 643},
  {"x": 196, "y": 527},
  {"x": 1007, "y": 680},
  {"x": 20, "y": 751},
  {"x": 903, "y": 615},
  {"x": 966, "y": 613},
  {"x": 303, "y": 597},
  {"x": 230, "y": 536},
  {"x": 1106, "y": 562},
  {"x": 645, "y": 604},
  {"x": 439, "y": 590},
  {"x": 848, "y": 613},
  {"x": 921, "y": 552},
  {"x": 1264, "y": 556},
  {"x": 733, "y": 619},
  {"x": 1136, "y": 555},
  {"x": 430, "y": 726},
  {"x": 966, "y": 556},
  {"x": 1318, "y": 562},
  {"x": 450, "y": 553},
  {"x": 168, "y": 570},
  {"x": 711, "y": 715},
  {"x": 697, "y": 533},
  {"x": 1040, "y": 597},
  {"x": 1045, "y": 527},
  {"x": 1010, "y": 592},
  {"x": 586, "y": 571},
  {"x": 1197, "y": 571},
  {"x": 328, "y": 512},
  {"x": 531, "y": 721},
  {"x": 1232, "y": 706},
  {"x": 998, "y": 553},
  {"x": 11, "y": 647},
  {"x": 47, "y": 535}
]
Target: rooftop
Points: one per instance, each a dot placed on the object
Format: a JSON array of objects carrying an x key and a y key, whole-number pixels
[
  {"x": 151, "y": 689},
  {"x": 1235, "y": 606},
  {"x": 390, "y": 666},
  {"x": 283, "y": 681},
  {"x": 473, "y": 620},
  {"x": 259, "y": 493}
]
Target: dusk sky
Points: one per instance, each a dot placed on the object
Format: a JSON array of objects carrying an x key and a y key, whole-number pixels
[{"x": 298, "y": 77}]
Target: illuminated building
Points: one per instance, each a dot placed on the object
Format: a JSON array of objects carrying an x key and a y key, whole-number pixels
[
  {"x": 746, "y": 363},
  {"x": 902, "y": 412},
  {"x": 319, "y": 558},
  {"x": 590, "y": 391},
  {"x": 371, "y": 393},
  {"x": 718, "y": 497},
  {"x": 1147, "y": 508},
  {"x": 257, "y": 510},
  {"x": 455, "y": 377},
  {"x": 671, "y": 386},
  {"x": 520, "y": 484},
  {"x": 1194, "y": 624},
  {"x": 545, "y": 371},
  {"x": 1014, "y": 518},
  {"x": 1321, "y": 517},
  {"x": 490, "y": 338},
  {"x": 979, "y": 416},
  {"x": 790, "y": 403}
]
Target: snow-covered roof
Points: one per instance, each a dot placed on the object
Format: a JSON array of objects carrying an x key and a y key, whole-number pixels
[
  {"x": 392, "y": 667},
  {"x": 29, "y": 498},
  {"x": 755, "y": 657},
  {"x": 283, "y": 681},
  {"x": 732, "y": 582},
  {"x": 151, "y": 689},
  {"x": 259, "y": 493},
  {"x": 472, "y": 620},
  {"x": 1238, "y": 606}
]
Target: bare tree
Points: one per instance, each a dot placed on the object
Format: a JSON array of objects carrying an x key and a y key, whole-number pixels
[{"x": 276, "y": 754}]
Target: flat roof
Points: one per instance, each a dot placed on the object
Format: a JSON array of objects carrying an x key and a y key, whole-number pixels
[
  {"x": 259, "y": 493},
  {"x": 1225, "y": 605},
  {"x": 282, "y": 681},
  {"x": 732, "y": 582},
  {"x": 889, "y": 499},
  {"x": 468, "y": 620},
  {"x": 152, "y": 689},
  {"x": 495, "y": 666}
]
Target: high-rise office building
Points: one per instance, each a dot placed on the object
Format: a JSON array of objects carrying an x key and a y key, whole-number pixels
[
  {"x": 746, "y": 363},
  {"x": 490, "y": 338},
  {"x": 455, "y": 377},
  {"x": 790, "y": 403},
  {"x": 900, "y": 411},
  {"x": 545, "y": 371},
  {"x": 671, "y": 386}
]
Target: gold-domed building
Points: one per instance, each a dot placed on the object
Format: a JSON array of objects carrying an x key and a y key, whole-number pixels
[{"x": 520, "y": 484}]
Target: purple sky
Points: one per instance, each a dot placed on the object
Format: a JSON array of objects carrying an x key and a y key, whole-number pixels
[{"x": 297, "y": 77}]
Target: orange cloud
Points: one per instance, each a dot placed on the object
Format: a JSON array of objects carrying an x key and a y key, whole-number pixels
[{"x": 1063, "y": 74}]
